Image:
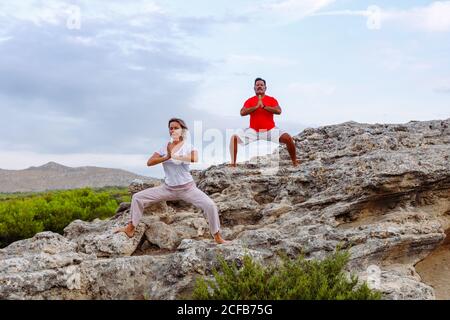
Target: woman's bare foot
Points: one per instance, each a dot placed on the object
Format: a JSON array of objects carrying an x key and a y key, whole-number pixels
[
  {"x": 128, "y": 230},
  {"x": 233, "y": 165},
  {"x": 218, "y": 238},
  {"x": 295, "y": 163}
]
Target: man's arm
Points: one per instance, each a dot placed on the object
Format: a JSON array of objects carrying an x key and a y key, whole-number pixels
[
  {"x": 246, "y": 111},
  {"x": 274, "y": 110}
]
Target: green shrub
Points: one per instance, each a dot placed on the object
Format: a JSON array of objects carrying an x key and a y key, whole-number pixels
[
  {"x": 298, "y": 279},
  {"x": 22, "y": 216}
]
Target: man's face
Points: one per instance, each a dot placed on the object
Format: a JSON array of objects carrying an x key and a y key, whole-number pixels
[{"x": 260, "y": 87}]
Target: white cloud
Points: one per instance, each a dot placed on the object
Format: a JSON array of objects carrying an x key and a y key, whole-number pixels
[
  {"x": 312, "y": 90},
  {"x": 52, "y": 12},
  {"x": 442, "y": 86},
  {"x": 296, "y": 9},
  {"x": 136, "y": 67},
  {"x": 394, "y": 59},
  {"x": 85, "y": 41},
  {"x": 442, "y": 89},
  {"x": 257, "y": 59},
  {"x": 187, "y": 77},
  {"x": 373, "y": 14},
  {"x": 57, "y": 12},
  {"x": 434, "y": 17},
  {"x": 63, "y": 85},
  {"x": 4, "y": 39},
  {"x": 58, "y": 118}
]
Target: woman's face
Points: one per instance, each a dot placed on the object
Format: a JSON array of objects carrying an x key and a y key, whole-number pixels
[{"x": 175, "y": 130}]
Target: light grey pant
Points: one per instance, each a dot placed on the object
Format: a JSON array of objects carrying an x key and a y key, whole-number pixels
[{"x": 187, "y": 192}]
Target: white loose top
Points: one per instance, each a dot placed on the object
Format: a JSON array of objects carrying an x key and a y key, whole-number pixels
[{"x": 176, "y": 171}]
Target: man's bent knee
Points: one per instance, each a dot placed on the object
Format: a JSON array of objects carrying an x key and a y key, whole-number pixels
[
  {"x": 285, "y": 137},
  {"x": 235, "y": 139}
]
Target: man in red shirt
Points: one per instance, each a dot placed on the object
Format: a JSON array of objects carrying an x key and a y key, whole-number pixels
[{"x": 261, "y": 109}]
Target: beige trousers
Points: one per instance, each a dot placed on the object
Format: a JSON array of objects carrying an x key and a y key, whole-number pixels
[{"x": 187, "y": 192}]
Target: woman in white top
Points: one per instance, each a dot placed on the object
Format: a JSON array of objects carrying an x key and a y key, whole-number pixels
[{"x": 178, "y": 183}]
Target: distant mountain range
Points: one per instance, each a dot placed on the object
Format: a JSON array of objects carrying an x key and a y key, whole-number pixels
[{"x": 53, "y": 176}]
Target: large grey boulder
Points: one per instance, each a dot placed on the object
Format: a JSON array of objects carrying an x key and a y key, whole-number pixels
[{"x": 381, "y": 191}]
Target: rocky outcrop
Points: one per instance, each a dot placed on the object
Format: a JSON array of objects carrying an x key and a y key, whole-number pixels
[{"x": 381, "y": 191}]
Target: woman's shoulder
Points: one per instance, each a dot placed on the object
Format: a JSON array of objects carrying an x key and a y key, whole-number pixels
[{"x": 189, "y": 147}]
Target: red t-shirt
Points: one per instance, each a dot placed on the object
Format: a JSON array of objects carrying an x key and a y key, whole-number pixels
[{"x": 261, "y": 119}]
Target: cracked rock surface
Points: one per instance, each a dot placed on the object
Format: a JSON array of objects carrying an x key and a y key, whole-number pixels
[{"x": 382, "y": 191}]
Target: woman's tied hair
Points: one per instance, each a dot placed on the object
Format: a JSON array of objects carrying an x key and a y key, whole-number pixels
[{"x": 181, "y": 123}]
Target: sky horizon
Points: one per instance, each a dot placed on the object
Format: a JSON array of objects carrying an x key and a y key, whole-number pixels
[{"x": 94, "y": 83}]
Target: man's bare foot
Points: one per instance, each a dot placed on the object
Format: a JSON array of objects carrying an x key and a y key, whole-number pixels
[
  {"x": 296, "y": 163},
  {"x": 233, "y": 165},
  {"x": 128, "y": 230},
  {"x": 219, "y": 240}
]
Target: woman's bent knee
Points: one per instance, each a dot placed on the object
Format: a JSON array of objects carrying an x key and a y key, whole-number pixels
[
  {"x": 135, "y": 197},
  {"x": 208, "y": 206}
]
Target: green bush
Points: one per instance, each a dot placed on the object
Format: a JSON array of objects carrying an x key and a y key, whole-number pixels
[
  {"x": 22, "y": 216},
  {"x": 298, "y": 279}
]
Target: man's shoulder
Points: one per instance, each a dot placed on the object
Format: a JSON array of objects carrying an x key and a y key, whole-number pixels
[
  {"x": 251, "y": 98},
  {"x": 271, "y": 99}
]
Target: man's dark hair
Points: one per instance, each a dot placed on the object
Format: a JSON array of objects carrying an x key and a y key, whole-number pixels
[{"x": 260, "y": 79}]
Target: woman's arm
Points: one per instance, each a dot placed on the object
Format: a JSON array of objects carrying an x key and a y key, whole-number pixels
[
  {"x": 156, "y": 158},
  {"x": 193, "y": 157}
]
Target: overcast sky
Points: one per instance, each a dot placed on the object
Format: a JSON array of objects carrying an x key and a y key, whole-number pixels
[{"x": 94, "y": 82}]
